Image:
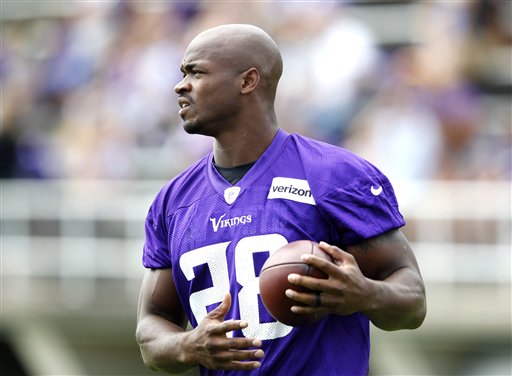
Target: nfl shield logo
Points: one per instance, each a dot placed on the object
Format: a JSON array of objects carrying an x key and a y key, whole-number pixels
[{"x": 230, "y": 194}]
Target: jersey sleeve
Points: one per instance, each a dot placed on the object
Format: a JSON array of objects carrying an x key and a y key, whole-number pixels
[
  {"x": 366, "y": 208},
  {"x": 156, "y": 251}
]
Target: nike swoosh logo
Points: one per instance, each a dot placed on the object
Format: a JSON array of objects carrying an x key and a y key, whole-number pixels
[{"x": 376, "y": 191}]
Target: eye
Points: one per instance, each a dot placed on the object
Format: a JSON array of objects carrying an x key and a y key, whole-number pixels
[{"x": 194, "y": 73}]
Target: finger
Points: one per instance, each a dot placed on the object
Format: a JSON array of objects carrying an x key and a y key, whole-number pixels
[
  {"x": 227, "y": 326},
  {"x": 239, "y": 355},
  {"x": 311, "y": 308},
  {"x": 311, "y": 283},
  {"x": 238, "y": 360},
  {"x": 311, "y": 304},
  {"x": 236, "y": 343},
  {"x": 221, "y": 310},
  {"x": 305, "y": 298},
  {"x": 308, "y": 310},
  {"x": 336, "y": 253},
  {"x": 326, "y": 266},
  {"x": 239, "y": 365}
]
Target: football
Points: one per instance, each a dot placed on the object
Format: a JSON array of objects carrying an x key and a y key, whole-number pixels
[{"x": 273, "y": 280}]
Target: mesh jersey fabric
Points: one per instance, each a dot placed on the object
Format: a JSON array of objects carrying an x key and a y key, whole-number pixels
[{"x": 298, "y": 189}]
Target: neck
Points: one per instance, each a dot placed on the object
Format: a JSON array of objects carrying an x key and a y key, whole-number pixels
[{"x": 242, "y": 146}]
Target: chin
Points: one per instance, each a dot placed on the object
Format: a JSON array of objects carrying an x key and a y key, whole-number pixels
[{"x": 191, "y": 127}]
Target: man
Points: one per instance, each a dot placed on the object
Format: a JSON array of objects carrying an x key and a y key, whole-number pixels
[{"x": 210, "y": 229}]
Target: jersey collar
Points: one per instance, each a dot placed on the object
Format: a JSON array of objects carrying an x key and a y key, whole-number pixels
[{"x": 268, "y": 156}]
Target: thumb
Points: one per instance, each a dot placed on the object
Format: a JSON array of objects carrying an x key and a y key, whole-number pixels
[{"x": 222, "y": 309}]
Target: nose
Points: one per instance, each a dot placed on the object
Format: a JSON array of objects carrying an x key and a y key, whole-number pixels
[{"x": 181, "y": 86}]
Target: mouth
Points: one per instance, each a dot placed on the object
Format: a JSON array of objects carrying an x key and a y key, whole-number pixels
[{"x": 183, "y": 103}]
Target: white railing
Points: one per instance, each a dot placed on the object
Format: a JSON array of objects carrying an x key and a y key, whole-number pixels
[
  {"x": 90, "y": 230},
  {"x": 74, "y": 248}
]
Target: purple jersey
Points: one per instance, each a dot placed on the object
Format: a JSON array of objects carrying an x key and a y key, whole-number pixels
[{"x": 216, "y": 236}]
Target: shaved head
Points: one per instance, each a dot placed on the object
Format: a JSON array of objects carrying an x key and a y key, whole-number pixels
[
  {"x": 243, "y": 47},
  {"x": 229, "y": 85}
]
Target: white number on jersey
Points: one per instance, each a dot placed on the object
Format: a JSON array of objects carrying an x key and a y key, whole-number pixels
[{"x": 214, "y": 256}]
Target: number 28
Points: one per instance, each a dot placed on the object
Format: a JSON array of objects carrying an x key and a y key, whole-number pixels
[{"x": 215, "y": 257}]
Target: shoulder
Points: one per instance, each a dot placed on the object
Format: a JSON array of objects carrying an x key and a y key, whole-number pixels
[{"x": 330, "y": 165}]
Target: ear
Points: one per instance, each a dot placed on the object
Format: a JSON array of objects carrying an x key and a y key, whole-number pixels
[{"x": 250, "y": 80}]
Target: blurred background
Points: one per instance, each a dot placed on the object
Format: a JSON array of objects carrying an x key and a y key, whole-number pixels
[{"x": 90, "y": 132}]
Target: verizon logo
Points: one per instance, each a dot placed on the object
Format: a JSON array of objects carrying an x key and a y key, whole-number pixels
[{"x": 291, "y": 189}]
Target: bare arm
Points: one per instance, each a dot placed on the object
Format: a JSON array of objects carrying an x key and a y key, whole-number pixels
[
  {"x": 161, "y": 324},
  {"x": 397, "y": 298},
  {"x": 167, "y": 346},
  {"x": 378, "y": 277}
]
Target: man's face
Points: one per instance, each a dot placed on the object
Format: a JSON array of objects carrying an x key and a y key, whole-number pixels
[{"x": 208, "y": 91}]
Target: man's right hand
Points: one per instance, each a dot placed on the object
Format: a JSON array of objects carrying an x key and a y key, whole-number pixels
[
  {"x": 211, "y": 347},
  {"x": 166, "y": 344}
]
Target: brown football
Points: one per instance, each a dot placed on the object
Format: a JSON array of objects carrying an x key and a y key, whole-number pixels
[{"x": 273, "y": 280}]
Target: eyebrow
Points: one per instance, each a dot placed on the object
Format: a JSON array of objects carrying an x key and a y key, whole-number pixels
[{"x": 187, "y": 67}]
